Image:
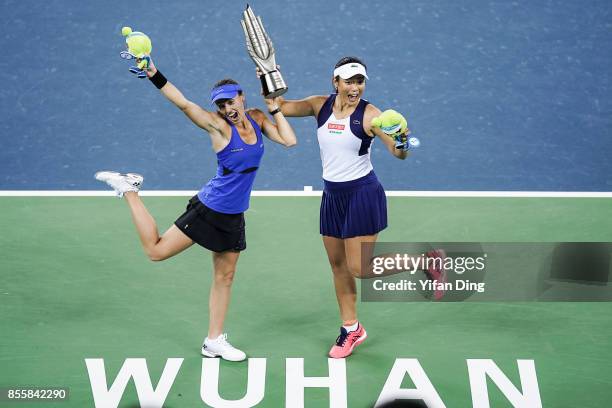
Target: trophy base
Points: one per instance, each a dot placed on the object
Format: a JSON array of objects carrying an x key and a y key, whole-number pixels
[
  {"x": 273, "y": 85},
  {"x": 276, "y": 93}
]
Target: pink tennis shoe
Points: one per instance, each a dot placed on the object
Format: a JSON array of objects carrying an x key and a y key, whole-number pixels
[{"x": 347, "y": 341}]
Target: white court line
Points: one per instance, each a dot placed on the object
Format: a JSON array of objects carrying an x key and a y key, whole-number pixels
[{"x": 308, "y": 192}]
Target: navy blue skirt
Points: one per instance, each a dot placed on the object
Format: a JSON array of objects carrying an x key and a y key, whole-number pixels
[{"x": 353, "y": 208}]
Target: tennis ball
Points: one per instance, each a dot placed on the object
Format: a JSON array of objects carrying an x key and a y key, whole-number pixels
[
  {"x": 125, "y": 31},
  {"x": 139, "y": 44},
  {"x": 391, "y": 122}
]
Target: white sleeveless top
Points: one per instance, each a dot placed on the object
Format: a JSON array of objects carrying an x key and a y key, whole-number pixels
[{"x": 344, "y": 145}]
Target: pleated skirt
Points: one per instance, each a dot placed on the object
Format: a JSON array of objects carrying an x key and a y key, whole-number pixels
[{"x": 353, "y": 208}]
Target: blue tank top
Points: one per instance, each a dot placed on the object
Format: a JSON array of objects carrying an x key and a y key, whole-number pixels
[{"x": 229, "y": 191}]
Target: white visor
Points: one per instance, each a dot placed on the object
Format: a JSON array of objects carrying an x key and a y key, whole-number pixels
[{"x": 349, "y": 70}]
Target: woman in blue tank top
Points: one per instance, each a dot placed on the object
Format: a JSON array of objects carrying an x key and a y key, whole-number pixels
[{"x": 214, "y": 218}]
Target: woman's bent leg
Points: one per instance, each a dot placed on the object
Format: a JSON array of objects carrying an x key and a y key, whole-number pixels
[{"x": 157, "y": 248}]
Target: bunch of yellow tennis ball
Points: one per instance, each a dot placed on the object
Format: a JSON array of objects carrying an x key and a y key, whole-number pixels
[
  {"x": 391, "y": 122},
  {"x": 139, "y": 45}
]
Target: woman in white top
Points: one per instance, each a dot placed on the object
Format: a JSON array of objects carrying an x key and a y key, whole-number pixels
[{"x": 353, "y": 207}]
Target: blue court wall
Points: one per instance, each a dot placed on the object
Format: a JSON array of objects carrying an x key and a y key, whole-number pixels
[{"x": 504, "y": 95}]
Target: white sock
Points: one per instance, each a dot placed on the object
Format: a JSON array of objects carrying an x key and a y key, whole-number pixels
[{"x": 351, "y": 328}]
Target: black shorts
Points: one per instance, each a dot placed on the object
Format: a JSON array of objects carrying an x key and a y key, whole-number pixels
[{"x": 211, "y": 229}]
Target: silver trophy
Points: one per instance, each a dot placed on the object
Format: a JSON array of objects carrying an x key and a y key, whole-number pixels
[{"x": 261, "y": 50}]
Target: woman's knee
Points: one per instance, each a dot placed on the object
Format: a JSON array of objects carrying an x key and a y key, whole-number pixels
[
  {"x": 337, "y": 263},
  {"x": 157, "y": 253},
  {"x": 225, "y": 276},
  {"x": 354, "y": 267}
]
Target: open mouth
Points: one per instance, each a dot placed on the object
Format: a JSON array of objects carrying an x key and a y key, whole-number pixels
[
  {"x": 232, "y": 115},
  {"x": 353, "y": 97}
]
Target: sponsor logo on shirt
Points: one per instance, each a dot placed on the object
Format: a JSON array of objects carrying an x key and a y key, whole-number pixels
[
  {"x": 335, "y": 126},
  {"x": 237, "y": 150}
]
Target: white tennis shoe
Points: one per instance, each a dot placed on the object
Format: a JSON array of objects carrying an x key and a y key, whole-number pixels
[
  {"x": 220, "y": 347},
  {"x": 121, "y": 183}
]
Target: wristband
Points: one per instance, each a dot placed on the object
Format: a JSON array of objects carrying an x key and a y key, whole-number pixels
[
  {"x": 275, "y": 111},
  {"x": 159, "y": 80}
]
